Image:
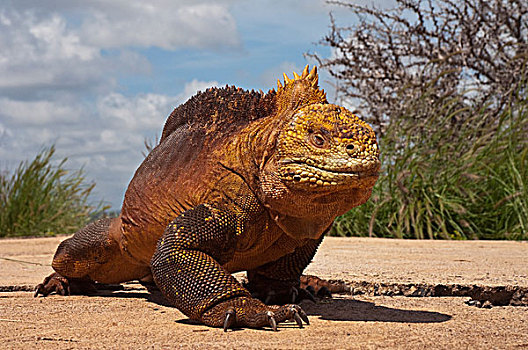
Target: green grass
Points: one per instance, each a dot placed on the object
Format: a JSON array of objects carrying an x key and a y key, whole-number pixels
[
  {"x": 40, "y": 199},
  {"x": 448, "y": 179}
]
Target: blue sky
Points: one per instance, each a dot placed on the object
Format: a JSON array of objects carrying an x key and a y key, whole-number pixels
[{"x": 96, "y": 78}]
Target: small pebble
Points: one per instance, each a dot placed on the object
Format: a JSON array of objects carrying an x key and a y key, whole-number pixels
[
  {"x": 473, "y": 302},
  {"x": 487, "y": 305}
]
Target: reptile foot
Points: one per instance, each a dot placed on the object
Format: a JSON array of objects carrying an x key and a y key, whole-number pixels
[
  {"x": 53, "y": 283},
  {"x": 323, "y": 288},
  {"x": 249, "y": 312},
  {"x": 56, "y": 283}
]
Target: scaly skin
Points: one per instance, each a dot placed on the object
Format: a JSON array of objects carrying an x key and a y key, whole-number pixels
[{"x": 240, "y": 181}]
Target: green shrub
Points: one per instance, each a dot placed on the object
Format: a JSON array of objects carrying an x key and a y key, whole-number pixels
[
  {"x": 442, "y": 178},
  {"x": 444, "y": 85},
  {"x": 40, "y": 199}
]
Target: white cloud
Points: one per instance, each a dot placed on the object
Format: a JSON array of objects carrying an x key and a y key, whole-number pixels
[
  {"x": 43, "y": 51},
  {"x": 166, "y": 24},
  {"x": 55, "y": 42},
  {"x": 41, "y": 112},
  {"x": 4, "y": 133},
  {"x": 43, "y": 54}
]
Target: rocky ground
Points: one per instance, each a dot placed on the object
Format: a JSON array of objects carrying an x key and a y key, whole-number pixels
[{"x": 405, "y": 294}]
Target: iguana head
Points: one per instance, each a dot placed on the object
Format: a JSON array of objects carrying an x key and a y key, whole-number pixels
[
  {"x": 325, "y": 160},
  {"x": 326, "y": 148}
]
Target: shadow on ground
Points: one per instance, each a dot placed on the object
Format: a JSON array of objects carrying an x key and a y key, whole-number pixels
[
  {"x": 340, "y": 309},
  {"x": 335, "y": 309}
]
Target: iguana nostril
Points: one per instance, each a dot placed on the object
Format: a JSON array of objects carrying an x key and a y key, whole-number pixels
[{"x": 350, "y": 149}]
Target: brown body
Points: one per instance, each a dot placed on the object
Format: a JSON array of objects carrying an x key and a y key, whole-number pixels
[
  {"x": 201, "y": 171},
  {"x": 239, "y": 181}
]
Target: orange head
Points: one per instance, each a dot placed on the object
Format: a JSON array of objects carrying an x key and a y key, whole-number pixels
[{"x": 325, "y": 160}]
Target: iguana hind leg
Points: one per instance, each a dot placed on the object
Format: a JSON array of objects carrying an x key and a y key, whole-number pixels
[
  {"x": 187, "y": 267},
  {"x": 89, "y": 255},
  {"x": 278, "y": 282}
]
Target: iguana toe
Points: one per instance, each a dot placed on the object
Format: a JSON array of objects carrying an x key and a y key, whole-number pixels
[
  {"x": 303, "y": 315},
  {"x": 298, "y": 318},
  {"x": 292, "y": 312},
  {"x": 252, "y": 313},
  {"x": 53, "y": 283},
  {"x": 271, "y": 319},
  {"x": 58, "y": 284},
  {"x": 229, "y": 319}
]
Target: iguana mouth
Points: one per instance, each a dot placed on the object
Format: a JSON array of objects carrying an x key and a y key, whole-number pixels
[{"x": 301, "y": 172}]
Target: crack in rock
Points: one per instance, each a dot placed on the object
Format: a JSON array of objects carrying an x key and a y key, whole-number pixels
[
  {"x": 17, "y": 288},
  {"x": 481, "y": 296},
  {"x": 484, "y": 296}
]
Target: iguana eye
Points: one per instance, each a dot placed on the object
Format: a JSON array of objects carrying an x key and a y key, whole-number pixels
[{"x": 317, "y": 140}]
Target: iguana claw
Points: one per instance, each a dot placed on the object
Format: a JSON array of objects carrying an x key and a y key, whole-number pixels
[
  {"x": 303, "y": 316},
  {"x": 298, "y": 315},
  {"x": 56, "y": 283},
  {"x": 230, "y": 319},
  {"x": 297, "y": 318},
  {"x": 271, "y": 319}
]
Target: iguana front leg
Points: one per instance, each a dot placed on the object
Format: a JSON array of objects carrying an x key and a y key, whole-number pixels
[{"x": 187, "y": 267}]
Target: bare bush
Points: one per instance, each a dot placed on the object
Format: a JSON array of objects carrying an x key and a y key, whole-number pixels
[{"x": 474, "y": 51}]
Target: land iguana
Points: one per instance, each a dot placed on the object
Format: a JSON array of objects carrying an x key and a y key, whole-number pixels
[{"x": 240, "y": 181}]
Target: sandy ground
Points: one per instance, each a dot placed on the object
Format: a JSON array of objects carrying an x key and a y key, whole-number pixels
[{"x": 130, "y": 318}]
